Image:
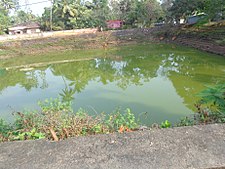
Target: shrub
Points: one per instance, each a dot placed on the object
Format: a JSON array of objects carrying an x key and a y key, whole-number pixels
[
  {"x": 166, "y": 124},
  {"x": 56, "y": 121},
  {"x": 121, "y": 122},
  {"x": 5, "y": 130},
  {"x": 210, "y": 108}
]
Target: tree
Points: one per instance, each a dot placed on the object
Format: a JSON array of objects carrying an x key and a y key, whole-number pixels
[
  {"x": 45, "y": 20},
  {"x": 5, "y": 7},
  {"x": 8, "y": 4},
  {"x": 22, "y": 16},
  {"x": 70, "y": 14},
  {"x": 215, "y": 9},
  {"x": 153, "y": 11},
  {"x": 114, "y": 9},
  {"x": 63, "y": 10},
  {"x": 184, "y": 8},
  {"x": 128, "y": 10},
  {"x": 100, "y": 12},
  {"x": 166, "y": 5},
  {"x": 140, "y": 12},
  {"x": 83, "y": 19}
]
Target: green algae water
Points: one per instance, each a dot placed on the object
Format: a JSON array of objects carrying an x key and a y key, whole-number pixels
[{"x": 156, "y": 81}]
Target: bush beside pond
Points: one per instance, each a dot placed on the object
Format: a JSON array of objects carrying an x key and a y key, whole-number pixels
[{"x": 56, "y": 121}]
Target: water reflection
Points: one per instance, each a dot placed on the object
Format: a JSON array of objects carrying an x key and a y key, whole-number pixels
[{"x": 162, "y": 85}]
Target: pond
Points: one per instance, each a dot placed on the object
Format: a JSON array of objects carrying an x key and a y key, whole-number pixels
[{"x": 157, "y": 82}]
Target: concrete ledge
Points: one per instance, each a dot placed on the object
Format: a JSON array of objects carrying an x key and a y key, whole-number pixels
[{"x": 179, "y": 148}]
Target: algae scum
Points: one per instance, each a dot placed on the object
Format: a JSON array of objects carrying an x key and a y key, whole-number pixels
[{"x": 156, "y": 81}]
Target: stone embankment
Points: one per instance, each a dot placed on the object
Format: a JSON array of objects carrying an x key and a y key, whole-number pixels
[
  {"x": 201, "y": 44},
  {"x": 209, "y": 39},
  {"x": 197, "y": 147},
  {"x": 205, "y": 40}
]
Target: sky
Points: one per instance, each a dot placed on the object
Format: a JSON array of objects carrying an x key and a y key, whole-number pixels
[{"x": 36, "y": 9}]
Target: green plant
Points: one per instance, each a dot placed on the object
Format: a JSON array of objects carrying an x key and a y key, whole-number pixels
[
  {"x": 55, "y": 105},
  {"x": 97, "y": 128},
  {"x": 27, "y": 120},
  {"x": 56, "y": 123},
  {"x": 118, "y": 121},
  {"x": 166, "y": 124},
  {"x": 187, "y": 121},
  {"x": 213, "y": 98},
  {"x": 29, "y": 135},
  {"x": 5, "y": 130},
  {"x": 210, "y": 108}
]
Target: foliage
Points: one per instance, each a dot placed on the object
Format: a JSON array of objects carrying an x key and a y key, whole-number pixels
[
  {"x": 213, "y": 98},
  {"x": 166, "y": 124},
  {"x": 51, "y": 105},
  {"x": 183, "y": 8},
  {"x": 215, "y": 9},
  {"x": 210, "y": 108},
  {"x": 187, "y": 121},
  {"x": 56, "y": 122},
  {"x": 70, "y": 14},
  {"x": 73, "y": 14},
  {"x": 118, "y": 121},
  {"x": 138, "y": 13},
  {"x": 5, "y": 7},
  {"x": 30, "y": 135},
  {"x": 21, "y": 17},
  {"x": 4, "y": 130}
]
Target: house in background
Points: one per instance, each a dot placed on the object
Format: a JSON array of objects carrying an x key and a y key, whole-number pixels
[
  {"x": 114, "y": 24},
  {"x": 25, "y": 28},
  {"x": 195, "y": 18}
]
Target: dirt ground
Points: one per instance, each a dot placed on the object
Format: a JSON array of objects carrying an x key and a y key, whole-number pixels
[
  {"x": 71, "y": 41},
  {"x": 209, "y": 40}
]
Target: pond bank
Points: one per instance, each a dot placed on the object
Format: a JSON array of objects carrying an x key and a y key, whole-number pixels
[
  {"x": 204, "y": 45},
  {"x": 186, "y": 147},
  {"x": 208, "y": 38}
]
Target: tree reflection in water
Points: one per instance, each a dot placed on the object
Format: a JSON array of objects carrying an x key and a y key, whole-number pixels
[{"x": 187, "y": 73}]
